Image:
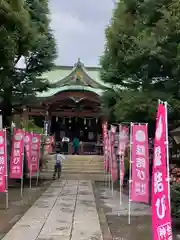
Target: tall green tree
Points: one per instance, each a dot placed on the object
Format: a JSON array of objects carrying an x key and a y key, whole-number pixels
[
  {"x": 142, "y": 49},
  {"x": 142, "y": 56},
  {"x": 27, "y": 39}
]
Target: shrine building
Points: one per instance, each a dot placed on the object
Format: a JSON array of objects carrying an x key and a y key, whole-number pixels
[{"x": 72, "y": 106}]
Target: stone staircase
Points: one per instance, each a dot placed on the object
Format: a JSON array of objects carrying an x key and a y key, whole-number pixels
[{"x": 80, "y": 166}]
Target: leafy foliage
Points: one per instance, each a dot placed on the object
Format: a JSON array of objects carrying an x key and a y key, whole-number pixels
[
  {"x": 136, "y": 106},
  {"x": 30, "y": 126},
  {"x": 142, "y": 49},
  {"x": 142, "y": 57},
  {"x": 25, "y": 38}
]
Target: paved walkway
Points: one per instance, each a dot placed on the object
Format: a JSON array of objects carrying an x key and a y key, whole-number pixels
[{"x": 66, "y": 211}]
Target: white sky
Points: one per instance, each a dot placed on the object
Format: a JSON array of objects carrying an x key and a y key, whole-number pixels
[{"x": 79, "y": 29}]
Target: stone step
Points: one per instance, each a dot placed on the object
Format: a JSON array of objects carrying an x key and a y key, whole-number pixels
[
  {"x": 79, "y": 172},
  {"x": 82, "y": 166},
  {"x": 78, "y": 164},
  {"x": 98, "y": 165},
  {"x": 77, "y": 161}
]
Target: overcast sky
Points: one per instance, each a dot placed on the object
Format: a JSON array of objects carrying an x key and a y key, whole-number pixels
[{"x": 79, "y": 29}]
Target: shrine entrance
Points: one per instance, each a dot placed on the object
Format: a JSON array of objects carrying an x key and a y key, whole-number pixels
[
  {"x": 76, "y": 115},
  {"x": 86, "y": 129}
]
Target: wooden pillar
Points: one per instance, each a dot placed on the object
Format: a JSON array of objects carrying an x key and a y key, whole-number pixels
[{"x": 47, "y": 119}]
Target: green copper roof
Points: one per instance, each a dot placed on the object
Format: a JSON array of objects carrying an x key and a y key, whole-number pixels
[
  {"x": 54, "y": 91},
  {"x": 77, "y": 77},
  {"x": 56, "y": 74}
]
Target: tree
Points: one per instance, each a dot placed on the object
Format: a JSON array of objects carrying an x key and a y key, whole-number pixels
[
  {"x": 142, "y": 49},
  {"x": 29, "y": 39},
  {"x": 109, "y": 100},
  {"x": 142, "y": 56}
]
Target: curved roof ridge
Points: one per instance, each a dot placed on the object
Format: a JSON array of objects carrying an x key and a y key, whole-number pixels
[
  {"x": 80, "y": 64},
  {"x": 53, "y": 91},
  {"x": 97, "y": 81}
]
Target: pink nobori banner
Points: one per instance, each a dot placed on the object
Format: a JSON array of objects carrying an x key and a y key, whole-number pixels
[
  {"x": 105, "y": 146},
  {"x": 161, "y": 215},
  {"x": 35, "y": 153},
  {"x": 17, "y": 154},
  {"x": 28, "y": 146},
  {"x": 140, "y": 164},
  {"x": 114, "y": 170},
  {"x": 3, "y": 161},
  {"x": 122, "y": 146}
]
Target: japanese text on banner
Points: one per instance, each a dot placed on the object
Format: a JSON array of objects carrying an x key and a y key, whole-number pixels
[
  {"x": 123, "y": 142},
  {"x": 28, "y": 143},
  {"x": 140, "y": 164},
  {"x": 35, "y": 152},
  {"x": 161, "y": 216},
  {"x": 114, "y": 170},
  {"x": 105, "y": 146},
  {"x": 3, "y": 161},
  {"x": 17, "y": 154}
]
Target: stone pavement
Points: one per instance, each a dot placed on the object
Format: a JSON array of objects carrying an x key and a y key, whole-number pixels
[{"x": 66, "y": 211}]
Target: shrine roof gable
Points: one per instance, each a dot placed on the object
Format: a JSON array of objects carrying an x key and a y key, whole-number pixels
[{"x": 79, "y": 75}]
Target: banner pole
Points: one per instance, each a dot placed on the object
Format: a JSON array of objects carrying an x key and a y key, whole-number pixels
[
  {"x": 109, "y": 171},
  {"x": 120, "y": 187},
  {"x": 22, "y": 177},
  {"x": 167, "y": 155},
  {"x": 30, "y": 175},
  {"x": 7, "y": 192},
  {"x": 37, "y": 179},
  {"x": 130, "y": 177},
  {"x": 112, "y": 185},
  {"x": 109, "y": 161},
  {"x": 30, "y": 170},
  {"x": 104, "y": 165}
]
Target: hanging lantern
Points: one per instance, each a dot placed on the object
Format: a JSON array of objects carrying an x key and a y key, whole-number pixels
[
  {"x": 57, "y": 119},
  {"x": 85, "y": 121},
  {"x": 96, "y": 120},
  {"x": 69, "y": 120}
]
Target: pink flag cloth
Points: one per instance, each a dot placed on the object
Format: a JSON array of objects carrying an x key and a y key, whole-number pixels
[
  {"x": 48, "y": 147},
  {"x": 28, "y": 145},
  {"x": 3, "y": 161},
  {"x": 35, "y": 153},
  {"x": 123, "y": 141},
  {"x": 105, "y": 146},
  {"x": 106, "y": 156},
  {"x": 161, "y": 215},
  {"x": 114, "y": 170},
  {"x": 17, "y": 154},
  {"x": 140, "y": 164}
]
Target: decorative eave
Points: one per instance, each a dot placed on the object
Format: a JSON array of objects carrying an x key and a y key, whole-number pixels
[
  {"x": 53, "y": 91},
  {"x": 79, "y": 76}
]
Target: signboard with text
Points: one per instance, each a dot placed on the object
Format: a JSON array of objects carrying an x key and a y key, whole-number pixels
[{"x": 17, "y": 154}]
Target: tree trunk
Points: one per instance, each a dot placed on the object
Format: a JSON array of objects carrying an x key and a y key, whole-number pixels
[{"x": 6, "y": 110}]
